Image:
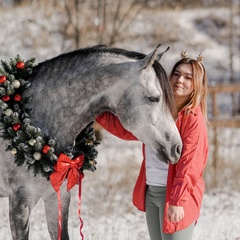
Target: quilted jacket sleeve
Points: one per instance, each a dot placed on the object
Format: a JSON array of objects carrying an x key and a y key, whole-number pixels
[
  {"x": 111, "y": 123},
  {"x": 188, "y": 171}
]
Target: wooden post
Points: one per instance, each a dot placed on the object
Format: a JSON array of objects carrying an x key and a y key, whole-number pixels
[
  {"x": 216, "y": 121},
  {"x": 214, "y": 141}
]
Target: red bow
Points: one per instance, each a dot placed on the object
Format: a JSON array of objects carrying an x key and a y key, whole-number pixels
[{"x": 67, "y": 167}]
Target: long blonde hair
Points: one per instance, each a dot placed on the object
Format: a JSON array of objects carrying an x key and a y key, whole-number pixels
[{"x": 199, "y": 94}]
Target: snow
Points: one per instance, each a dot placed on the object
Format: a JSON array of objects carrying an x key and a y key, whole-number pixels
[{"x": 106, "y": 209}]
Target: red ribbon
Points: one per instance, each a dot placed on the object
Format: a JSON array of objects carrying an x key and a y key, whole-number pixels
[
  {"x": 70, "y": 169},
  {"x": 67, "y": 167},
  {"x": 79, "y": 206}
]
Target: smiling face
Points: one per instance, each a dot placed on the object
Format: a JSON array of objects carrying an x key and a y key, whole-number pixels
[{"x": 182, "y": 83}]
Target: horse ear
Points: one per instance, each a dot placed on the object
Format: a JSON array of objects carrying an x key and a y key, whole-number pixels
[
  {"x": 159, "y": 56},
  {"x": 150, "y": 58}
]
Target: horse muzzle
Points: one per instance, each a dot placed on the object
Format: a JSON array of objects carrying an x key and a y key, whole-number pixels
[{"x": 170, "y": 154}]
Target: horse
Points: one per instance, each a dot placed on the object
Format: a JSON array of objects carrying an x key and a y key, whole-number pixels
[{"x": 71, "y": 90}]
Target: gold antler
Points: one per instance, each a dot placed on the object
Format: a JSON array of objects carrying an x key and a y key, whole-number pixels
[
  {"x": 184, "y": 54},
  {"x": 199, "y": 57}
]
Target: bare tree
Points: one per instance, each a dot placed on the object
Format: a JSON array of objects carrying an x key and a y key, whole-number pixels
[
  {"x": 101, "y": 18},
  {"x": 232, "y": 79},
  {"x": 72, "y": 10},
  {"x": 120, "y": 22},
  {"x": 110, "y": 19}
]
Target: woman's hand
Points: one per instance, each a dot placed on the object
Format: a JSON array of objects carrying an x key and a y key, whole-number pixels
[{"x": 175, "y": 213}]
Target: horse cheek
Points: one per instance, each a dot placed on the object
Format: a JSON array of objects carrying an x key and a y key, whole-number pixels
[{"x": 125, "y": 112}]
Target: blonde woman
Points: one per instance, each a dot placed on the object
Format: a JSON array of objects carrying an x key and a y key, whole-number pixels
[{"x": 171, "y": 195}]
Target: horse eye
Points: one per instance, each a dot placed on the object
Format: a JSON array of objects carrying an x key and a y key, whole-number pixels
[{"x": 153, "y": 99}]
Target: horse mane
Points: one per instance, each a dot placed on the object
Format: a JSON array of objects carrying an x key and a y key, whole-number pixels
[
  {"x": 166, "y": 88},
  {"x": 103, "y": 49},
  {"x": 95, "y": 50}
]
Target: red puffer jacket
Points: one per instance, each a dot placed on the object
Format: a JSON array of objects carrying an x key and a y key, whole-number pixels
[{"x": 185, "y": 185}]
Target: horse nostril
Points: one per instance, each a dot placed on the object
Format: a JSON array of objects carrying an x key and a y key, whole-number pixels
[
  {"x": 178, "y": 149},
  {"x": 176, "y": 152}
]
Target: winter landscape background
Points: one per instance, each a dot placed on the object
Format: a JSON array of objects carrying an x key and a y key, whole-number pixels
[{"x": 44, "y": 30}]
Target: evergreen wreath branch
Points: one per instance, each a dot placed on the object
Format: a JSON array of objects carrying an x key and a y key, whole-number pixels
[{"x": 28, "y": 144}]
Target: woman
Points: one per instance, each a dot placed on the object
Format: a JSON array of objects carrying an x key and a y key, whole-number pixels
[{"x": 170, "y": 194}]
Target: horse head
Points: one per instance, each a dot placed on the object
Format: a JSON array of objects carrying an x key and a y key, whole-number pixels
[{"x": 146, "y": 108}]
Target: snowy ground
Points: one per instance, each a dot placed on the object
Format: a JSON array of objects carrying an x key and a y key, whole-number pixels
[{"x": 107, "y": 210}]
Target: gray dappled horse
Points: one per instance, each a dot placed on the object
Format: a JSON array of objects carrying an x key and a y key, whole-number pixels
[{"x": 68, "y": 92}]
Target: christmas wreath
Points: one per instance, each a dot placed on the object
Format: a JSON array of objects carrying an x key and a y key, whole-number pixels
[{"x": 28, "y": 143}]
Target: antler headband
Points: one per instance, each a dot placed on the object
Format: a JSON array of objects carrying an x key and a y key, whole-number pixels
[
  {"x": 184, "y": 54},
  {"x": 199, "y": 57}
]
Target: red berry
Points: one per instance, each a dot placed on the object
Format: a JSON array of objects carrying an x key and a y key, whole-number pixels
[
  {"x": 3, "y": 79},
  {"x": 20, "y": 65},
  {"x": 17, "y": 98},
  {"x": 6, "y": 98},
  {"x": 45, "y": 149},
  {"x": 16, "y": 126}
]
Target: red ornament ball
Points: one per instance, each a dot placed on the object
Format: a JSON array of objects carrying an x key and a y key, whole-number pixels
[
  {"x": 17, "y": 97},
  {"x": 16, "y": 126},
  {"x": 45, "y": 149},
  {"x": 20, "y": 65},
  {"x": 6, "y": 98},
  {"x": 3, "y": 79}
]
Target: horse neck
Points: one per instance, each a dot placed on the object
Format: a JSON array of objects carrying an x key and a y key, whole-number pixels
[{"x": 65, "y": 99}]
